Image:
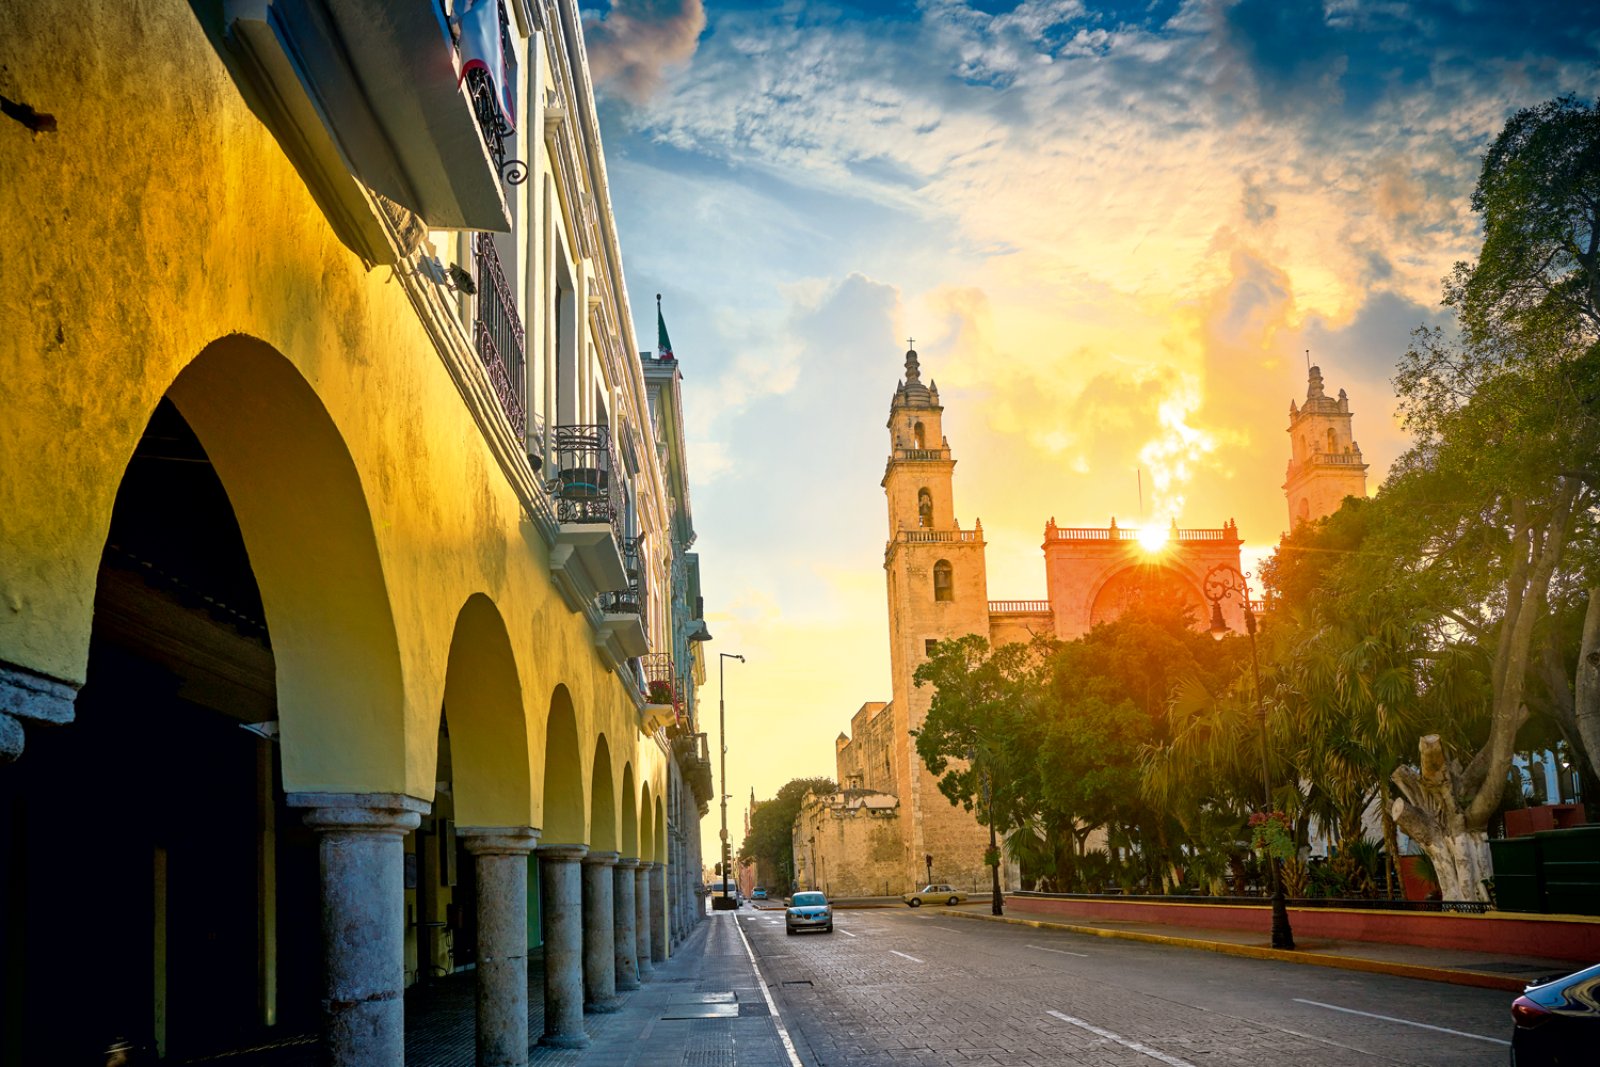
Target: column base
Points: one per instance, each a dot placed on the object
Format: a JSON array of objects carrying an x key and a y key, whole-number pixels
[
  {"x": 572, "y": 1041},
  {"x": 604, "y": 1007}
]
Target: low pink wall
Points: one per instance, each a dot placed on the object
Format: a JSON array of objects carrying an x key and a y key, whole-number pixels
[{"x": 1565, "y": 938}]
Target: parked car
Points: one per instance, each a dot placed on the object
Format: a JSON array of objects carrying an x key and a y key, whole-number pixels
[
  {"x": 808, "y": 911},
  {"x": 1557, "y": 1023},
  {"x": 758, "y": 893},
  {"x": 937, "y": 893}
]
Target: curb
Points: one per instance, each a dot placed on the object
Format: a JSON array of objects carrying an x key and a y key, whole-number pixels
[{"x": 1315, "y": 959}]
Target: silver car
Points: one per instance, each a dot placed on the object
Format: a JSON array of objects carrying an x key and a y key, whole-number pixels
[{"x": 809, "y": 911}]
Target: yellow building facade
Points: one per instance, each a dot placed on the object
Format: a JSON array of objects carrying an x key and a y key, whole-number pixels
[{"x": 340, "y": 548}]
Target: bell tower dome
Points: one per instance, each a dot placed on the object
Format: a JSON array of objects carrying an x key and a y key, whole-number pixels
[{"x": 1325, "y": 464}]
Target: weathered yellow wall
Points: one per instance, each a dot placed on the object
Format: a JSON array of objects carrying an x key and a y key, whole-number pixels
[{"x": 160, "y": 232}]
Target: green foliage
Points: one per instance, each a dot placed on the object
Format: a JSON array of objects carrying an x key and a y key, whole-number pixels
[
  {"x": 1539, "y": 195},
  {"x": 769, "y": 842}
]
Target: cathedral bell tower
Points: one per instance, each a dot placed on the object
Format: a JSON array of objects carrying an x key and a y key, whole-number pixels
[
  {"x": 938, "y": 589},
  {"x": 1325, "y": 462}
]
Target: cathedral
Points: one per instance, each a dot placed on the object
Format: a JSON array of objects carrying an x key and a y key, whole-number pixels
[{"x": 889, "y": 828}]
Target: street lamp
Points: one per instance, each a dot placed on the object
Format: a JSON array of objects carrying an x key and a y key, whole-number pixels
[
  {"x": 722, "y": 739},
  {"x": 1220, "y": 583},
  {"x": 927, "y": 858}
]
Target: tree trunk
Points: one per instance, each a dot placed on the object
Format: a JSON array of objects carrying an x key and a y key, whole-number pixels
[
  {"x": 1391, "y": 841},
  {"x": 1586, "y": 682},
  {"x": 1430, "y": 812}
]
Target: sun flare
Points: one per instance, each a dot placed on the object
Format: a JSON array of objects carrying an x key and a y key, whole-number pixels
[{"x": 1152, "y": 538}]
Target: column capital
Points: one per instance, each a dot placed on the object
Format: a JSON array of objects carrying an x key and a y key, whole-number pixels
[
  {"x": 374, "y": 813},
  {"x": 498, "y": 840},
  {"x": 27, "y": 696},
  {"x": 655, "y": 866},
  {"x": 626, "y": 862},
  {"x": 600, "y": 859},
  {"x": 563, "y": 852}
]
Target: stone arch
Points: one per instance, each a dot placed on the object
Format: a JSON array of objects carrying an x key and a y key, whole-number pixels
[
  {"x": 303, "y": 514},
  {"x": 661, "y": 831},
  {"x": 564, "y": 811},
  {"x": 488, "y": 728},
  {"x": 629, "y": 845},
  {"x": 919, "y": 436},
  {"x": 602, "y": 801},
  {"x": 944, "y": 581},
  {"x": 647, "y": 826},
  {"x": 1121, "y": 588}
]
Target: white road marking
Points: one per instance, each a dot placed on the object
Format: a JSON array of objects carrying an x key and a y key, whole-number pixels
[
  {"x": 1171, "y": 1061},
  {"x": 777, "y": 1020},
  {"x": 913, "y": 959},
  {"x": 1403, "y": 1022},
  {"x": 847, "y": 933},
  {"x": 1061, "y": 951}
]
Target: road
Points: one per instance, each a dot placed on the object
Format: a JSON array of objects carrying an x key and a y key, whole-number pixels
[{"x": 924, "y": 988}]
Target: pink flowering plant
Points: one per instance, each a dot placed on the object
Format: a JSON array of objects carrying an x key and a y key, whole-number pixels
[{"x": 1270, "y": 836}]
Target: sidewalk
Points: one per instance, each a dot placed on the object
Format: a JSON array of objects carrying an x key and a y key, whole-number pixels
[
  {"x": 704, "y": 1007},
  {"x": 1501, "y": 971}
]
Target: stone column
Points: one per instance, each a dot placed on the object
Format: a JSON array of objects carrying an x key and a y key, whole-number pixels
[
  {"x": 502, "y": 971},
  {"x": 658, "y": 913},
  {"x": 626, "y": 917},
  {"x": 562, "y": 898},
  {"x": 361, "y": 849},
  {"x": 29, "y": 697},
  {"x": 641, "y": 918},
  {"x": 599, "y": 938}
]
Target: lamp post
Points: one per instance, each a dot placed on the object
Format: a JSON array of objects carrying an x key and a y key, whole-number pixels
[
  {"x": 927, "y": 858},
  {"x": 1220, "y": 583},
  {"x": 997, "y": 902},
  {"x": 722, "y": 739}
]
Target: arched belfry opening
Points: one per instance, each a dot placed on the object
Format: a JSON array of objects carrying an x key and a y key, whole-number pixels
[
  {"x": 944, "y": 582},
  {"x": 924, "y": 509},
  {"x": 919, "y": 436}
]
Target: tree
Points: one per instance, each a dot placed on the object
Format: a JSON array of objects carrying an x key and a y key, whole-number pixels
[
  {"x": 769, "y": 843},
  {"x": 1538, "y": 272}
]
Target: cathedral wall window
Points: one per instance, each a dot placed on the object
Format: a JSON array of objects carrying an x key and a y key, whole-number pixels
[{"x": 944, "y": 586}]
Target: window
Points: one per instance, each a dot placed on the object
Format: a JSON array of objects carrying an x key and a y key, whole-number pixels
[
  {"x": 943, "y": 581},
  {"x": 924, "y": 509},
  {"x": 1332, "y": 448},
  {"x": 918, "y": 435},
  {"x": 929, "y": 645}
]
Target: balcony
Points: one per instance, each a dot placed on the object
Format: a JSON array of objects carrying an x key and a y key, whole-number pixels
[
  {"x": 586, "y": 486},
  {"x": 498, "y": 335},
  {"x": 661, "y": 693},
  {"x": 622, "y": 620},
  {"x": 368, "y": 94}
]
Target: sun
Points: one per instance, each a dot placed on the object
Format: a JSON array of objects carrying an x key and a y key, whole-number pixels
[{"x": 1152, "y": 538}]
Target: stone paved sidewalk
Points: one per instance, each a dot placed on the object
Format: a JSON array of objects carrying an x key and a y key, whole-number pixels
[{"x": 702, "y": 1008}]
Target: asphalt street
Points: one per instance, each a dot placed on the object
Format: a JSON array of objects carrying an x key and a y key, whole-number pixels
[{"x": 924, "y": 988}]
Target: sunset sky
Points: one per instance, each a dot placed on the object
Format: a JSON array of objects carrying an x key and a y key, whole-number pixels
[{"x": 1113, "y": 230}]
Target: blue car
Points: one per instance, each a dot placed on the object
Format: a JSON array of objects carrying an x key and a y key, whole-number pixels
[{"x": 758, "y": 893}]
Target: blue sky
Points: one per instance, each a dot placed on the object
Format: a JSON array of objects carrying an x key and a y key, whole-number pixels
[{"x": 1113, "y": 230}]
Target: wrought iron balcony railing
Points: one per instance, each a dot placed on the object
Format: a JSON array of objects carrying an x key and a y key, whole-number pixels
[
  {"x": 586, "y": 480},
  {"x": 629, "y": 600},
  {"x": 660, "y": 683},
  {"x": 497, "y": 332},
  {"x": 496, "y": 125}
]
